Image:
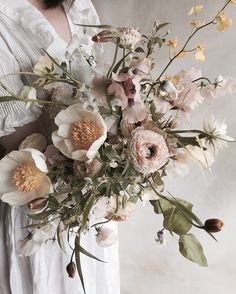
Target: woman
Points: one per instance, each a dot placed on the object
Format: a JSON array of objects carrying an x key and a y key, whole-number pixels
[{"x": 26, "y": 28}]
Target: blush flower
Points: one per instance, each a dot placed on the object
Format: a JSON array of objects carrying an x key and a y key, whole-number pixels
[
  {"x": 23, "y": 177},
  {"x": 80, "y": 133},
  {"x": 106, "y": 237},
  {"x": 128, "y": 37},
  {"x": 125, "y": 88},
  {"x": 188, "y": 97},
  {"x": 147, "y": 151}
]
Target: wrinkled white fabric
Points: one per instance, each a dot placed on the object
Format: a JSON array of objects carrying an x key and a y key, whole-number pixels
[{"x": 24, "y": 32}]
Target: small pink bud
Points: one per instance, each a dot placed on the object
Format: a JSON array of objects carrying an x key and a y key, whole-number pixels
[{"x": 38, "y": 203}]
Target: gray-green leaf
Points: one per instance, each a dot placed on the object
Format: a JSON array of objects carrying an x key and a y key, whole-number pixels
[{"x": 190, "y": 248}]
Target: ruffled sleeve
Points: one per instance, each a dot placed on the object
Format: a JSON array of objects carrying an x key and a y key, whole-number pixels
[{"x": 14, "y": 113}]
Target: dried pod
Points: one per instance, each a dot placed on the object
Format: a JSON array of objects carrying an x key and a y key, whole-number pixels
[
  {"x": 71, "y": 269},
  {"x": 213, "y": 225}
]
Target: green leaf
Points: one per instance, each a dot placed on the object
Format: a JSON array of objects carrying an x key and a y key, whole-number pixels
[
  {"x": 162, "y": 25},
  {"x": 110, "y": 152},
  {"x": 175, "y": 221},
  {"x": 97, "y": 26},
  {"x": 78, "y": 261},
  {"x": 161, "y": 205},
  {"x": 139, "y": 50},
  {"x": 85, "y": 252},
  {"x": 191, "y": 249}
]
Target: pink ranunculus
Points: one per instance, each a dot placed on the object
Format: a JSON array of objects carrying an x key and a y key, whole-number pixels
[{"x": 147, "y": 150}]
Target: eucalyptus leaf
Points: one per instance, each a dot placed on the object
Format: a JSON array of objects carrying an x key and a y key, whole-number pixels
[
  {"x": 190, "y": 248},
  {"x": 175, "y": 221},
  {"x": 78, "y": 261},
  {"x": 85, "y": 252}
]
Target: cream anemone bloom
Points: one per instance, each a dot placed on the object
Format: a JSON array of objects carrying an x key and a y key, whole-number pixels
[
  {"x": 23, "y": 177},
  {"x": 80, "y": 133}
]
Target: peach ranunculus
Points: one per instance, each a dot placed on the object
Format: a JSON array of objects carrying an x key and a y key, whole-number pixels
[
  {"x": 147, "y": 150},
  {"x": 23, "y": 177},
  {"x": 80, "y": 133}
]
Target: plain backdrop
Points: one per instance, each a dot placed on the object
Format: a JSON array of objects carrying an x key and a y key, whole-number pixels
[{"x": 146, "y": 268}]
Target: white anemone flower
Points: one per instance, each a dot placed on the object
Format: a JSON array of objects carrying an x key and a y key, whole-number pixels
[
  {"x": 217, "y": 131},
  {"x": 80, "y": 133},
  {"x": 23, "y": 177}
]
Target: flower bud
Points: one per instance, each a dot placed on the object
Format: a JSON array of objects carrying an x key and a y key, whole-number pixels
[
  {"x": 71, "y": 269},
  {"x": 213, "y": 225},
  {"x": 87, "y": 169},
  {"x": 37, "y": 203}
]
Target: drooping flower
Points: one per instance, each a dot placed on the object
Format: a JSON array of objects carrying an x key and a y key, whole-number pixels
[
  {"x": 44, "y": 65},
  {"x": 199, "y": 53},
  {"x": 147, "y": 150},
  {"x": 223, "y": 22},
  {"x": 217, "y": 131},
  {"x": 128, "y": 37},
  {"x": 195, "y": 9},
  {"x": 106, "y": 237},
  {"x": 80, "y": 133},
  {"x": 24, "y": 177},
  {"x": 161, "y": 238},
  {"x": 28, "y": 93},
  {"x": 35, "y": 141}
]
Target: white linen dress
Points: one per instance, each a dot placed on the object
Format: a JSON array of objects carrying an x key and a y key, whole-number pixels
[{"x": 24, "y": 32}]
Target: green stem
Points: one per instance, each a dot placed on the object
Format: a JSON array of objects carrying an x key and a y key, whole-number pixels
[{"x": 114, "y": 59}]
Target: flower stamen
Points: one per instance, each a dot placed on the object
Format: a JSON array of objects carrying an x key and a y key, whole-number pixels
[
  {"x": 27, "y": 177},
  {"x": 84, "y": 133}
]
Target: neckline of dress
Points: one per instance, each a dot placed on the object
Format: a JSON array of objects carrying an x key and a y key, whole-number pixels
[{"x": 50, "y": 25}]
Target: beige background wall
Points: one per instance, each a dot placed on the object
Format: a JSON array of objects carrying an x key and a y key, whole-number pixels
[{"x": 145, "y": 268}]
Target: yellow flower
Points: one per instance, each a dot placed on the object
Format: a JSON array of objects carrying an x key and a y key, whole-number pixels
[
  {"x": 195, "y": 9},
  {"x": 199, "y": 53},
  {"x": 172, "y": 43},
  {"x": 223, "y": 22},
  {"x": 196, "y": 23},
  {"x": 233, "y": 1}
]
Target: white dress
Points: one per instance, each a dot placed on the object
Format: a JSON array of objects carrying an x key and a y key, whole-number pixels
[{"x": 24, "y": 32}]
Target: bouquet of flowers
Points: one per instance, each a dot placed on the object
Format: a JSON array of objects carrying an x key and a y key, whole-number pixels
[{"x": 116, "y": 137}]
